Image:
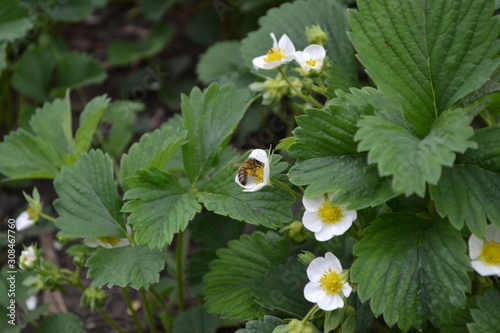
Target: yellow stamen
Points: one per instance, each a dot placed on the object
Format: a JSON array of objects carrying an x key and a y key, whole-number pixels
[
  {"x": 311, "y": 62},
  {"x": 274, "y": 54},
  {"x": 258, "y": 174},
  {"x": 491, "y": 252},
  {"x": 30, "y": 211},
  {"x": 331, "y": 282},
  {"x": 109, "y": 240},
  {"x": 330, "y": 214}
]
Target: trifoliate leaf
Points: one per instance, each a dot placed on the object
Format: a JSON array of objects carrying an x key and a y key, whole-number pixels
[
  {"x": 281, "y": 289},
  {"x": 76, "y": 70},
  {"x": 486, "y": 317},
  {"x": 267, "y": 325},
  {"x": 240, "y": 266},
  {"x": 15, "y": 20},
  {"x": 159, "y": 206},
  {"x": 210, "y": 118},
  {"x": 411, "y": 161},
  {"x": 196, "y": 320},
  {"x": 134, "y": 266},
  {"x": 61, "y": 322},
  {"x": 269, "y": 206},
  {"x": 88, "y": 203},
  {"x": 352, "y": 180},
  {"x": 412, "y": 51},
  {"x": 411, "y": 269},
  {"x": 292, "y": 19},
  {"x": 123, "y": 53},
  {"x": 215, "y": 63}
]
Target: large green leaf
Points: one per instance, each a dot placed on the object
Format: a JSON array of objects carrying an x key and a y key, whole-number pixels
[
  {"x": 269, "y": 206},
  {"x": 75, "y": 70},
  {"x": 426, "y": 54},
  {"x": 196, "y": 320},
  {"x": 411, "y": 269},
  {"x": 210, "y": 118},
  {"x": 292, "y": 19},
  {"x": 15, "y": 20},
  {"x": 240, "y": 266},
  {"x": 159, "y": 206},
  {"x": 88, "y": 203},
  {"x": 215, "y": 63},
  {"x": 134, "y": 266},
  {"x": 486, "y": 317},
  {"x": 412, "y": 161}
]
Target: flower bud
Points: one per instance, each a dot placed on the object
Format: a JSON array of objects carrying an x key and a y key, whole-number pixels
[
  {"x": 306, "y": 257},
  {"x": 316, "y": 35},
  {"x": 296, "y": 232},
  {"x": 93, "y": 298}
]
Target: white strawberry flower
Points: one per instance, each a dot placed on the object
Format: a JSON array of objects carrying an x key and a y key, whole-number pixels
[
  {"x": 107, "y": 242},
  {"x": 485, "y": 253},
  {"x": 255, "y": 172},
  {"x": 28, "y": 258},
  {"x": 281, "y": 52},
  {"x": 311, "y": 59}
]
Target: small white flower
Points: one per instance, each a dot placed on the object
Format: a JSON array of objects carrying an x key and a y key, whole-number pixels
[
  {"x": 311, "y": 58},
  {"x": 107, "y": 242},
  {"x": 327, "y": 286},
  {"x": 24, "y": 221},
  {"x": 28, "y": 258},
  {"x": 31, "y": 303},
  {"x": 281, "y": 52},
  {"x": 324, "y": 219},
  {"x": 255, "y": 172},
  {"x": 485, "y": 255}
]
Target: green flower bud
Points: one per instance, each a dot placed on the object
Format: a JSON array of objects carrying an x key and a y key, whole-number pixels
[
  {"x": 316, "y": 35},
  {"x": 296, "y": 232},
  {"x": 306, "y": 257},
  {"x": 93, "y": 298},
  {"x": 296, "y": 326}
]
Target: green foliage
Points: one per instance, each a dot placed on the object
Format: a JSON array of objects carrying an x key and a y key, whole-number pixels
[
  {"x": 240, "y": 266},
  {"x": 266, "y": 325},
  {"x": 123, "y": 53},
  {"x": 61, "y": 322},
  {"x": 15, "y": 20},
  {"x": 485, "y": 316},
  {"x": 220, "y": 59},
  {"x": 88, "y": 203},
  {"x": 67, "y": 11},
  {"x": 411, "y": 269},
  {"x": 134, "y": 266},
  {"x": 210, "y": 118},
  {"x": 154, "y": 9},
  {"x": 411, "y": 161},
  {"x": 159, "y": 206},
  {"x": 196, "y": 320},
  {"x": 426, "y": 55},
  {"x": 75, "y": 70}
]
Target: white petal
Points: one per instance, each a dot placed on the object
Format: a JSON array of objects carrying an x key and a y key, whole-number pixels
[
  {"x": 317, "y": 269},
  {"x": 286, "y": 45},
  {"x": 475, "y": 247},
  {"x": 330, "y": 302},
  {"x": 326, "y": 233},
  {"x": 260, "y": 155},
  {"x": 314, "y": 51},
  {"x": 340, "y": 227},
  {"x": 254, "y": 188},
  {"x": 31, "y": 303},
  {"x": 91, "y": 241},
  {"x": 23, "y": 221},
  {"x": 312, "y": 221},
  {"x": 122, "y": 242},
  {"x": 352, "y": 213},
  {"x": 333, "y": 262},
  {"x": 299, "y": 57},
  {"x": 259, "y": 62},
  {"x": 492, "y": 233},
  {"x": 485, "y": 269},
  {"x": 346, "y": 289},
  {"x": 313, "y": 291},
  {"x": 275, "y": 43},
  {"x": 312, "y": 204}
]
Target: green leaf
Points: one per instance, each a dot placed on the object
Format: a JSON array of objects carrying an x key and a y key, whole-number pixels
[
  {"x": 76, "y": 70},
  {"x": 134, "y": 266},
  {"x": 61, "y": 322},
  {"x": 88, "y": 203},
  {"x": 32, "y": 73},
  {"x": 426, "y": 54},
  {"x": 159, "y": 207},
  {"x": 281, "y": 289},
  {"x": 487, "y": 156},
  {"x": 154, "y": 9},
  {"x": 240, "y": 266},
  {"x": 486, "y": 317},
  {"x": 411, "y": 161},
  {"x": 68, "y": 11},
  {"x": 411, "y": 269},
  {"x": 15, "y": 20},
  {"x": 213, "y": 231},
  {"x": 123, "y": 53},
  {"x": 292, "y": 19},
  {"x": 269, "y": 206},
  {"x": 267, "y": 325},
  {"x": 215, "y": 62},
  {"x": 196, "y": 320},
  {"x": 210, "y": 117},
  {"x": 353, "y": 181}
]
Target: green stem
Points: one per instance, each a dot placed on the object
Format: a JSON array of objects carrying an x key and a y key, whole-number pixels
[
  {"x": 126, "y": 296},
  {"x": 298, "y": 93},
  {"x": 179, "y": 270},
  {"x": 47, "y": 217},
  {"x": 160, "y": 301},
  {"x": 310, "y": 313},
  {"x": 322, "y": 86},
  {"x": 280, "y": 184},
  {"x": 149, "y": 313},
  {"x": 111, "y": 321}
]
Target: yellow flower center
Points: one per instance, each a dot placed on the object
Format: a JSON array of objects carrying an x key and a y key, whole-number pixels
[
  {"x": 330, "y": 214},
  {"x": 109, "y": 240},
  {"x": 30, "y": 211},
  {"x": 311, "y": 62},
  {"x": 23, "y": 259},
  {"x": 491, "y": 252},
  {"x": 258, "y": 174},
  {"x": 331, "y": 282},
  {"x": 274, "y": 54}
]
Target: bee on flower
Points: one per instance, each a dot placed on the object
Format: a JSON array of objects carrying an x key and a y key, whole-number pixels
[
  {"x": 255, "y": 171},
  {"x": 485, "y": 253},
  {"x": 283, "y": 51}
]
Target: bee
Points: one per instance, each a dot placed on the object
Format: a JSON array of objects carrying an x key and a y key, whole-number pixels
[{"x": 250, "y": 167}]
